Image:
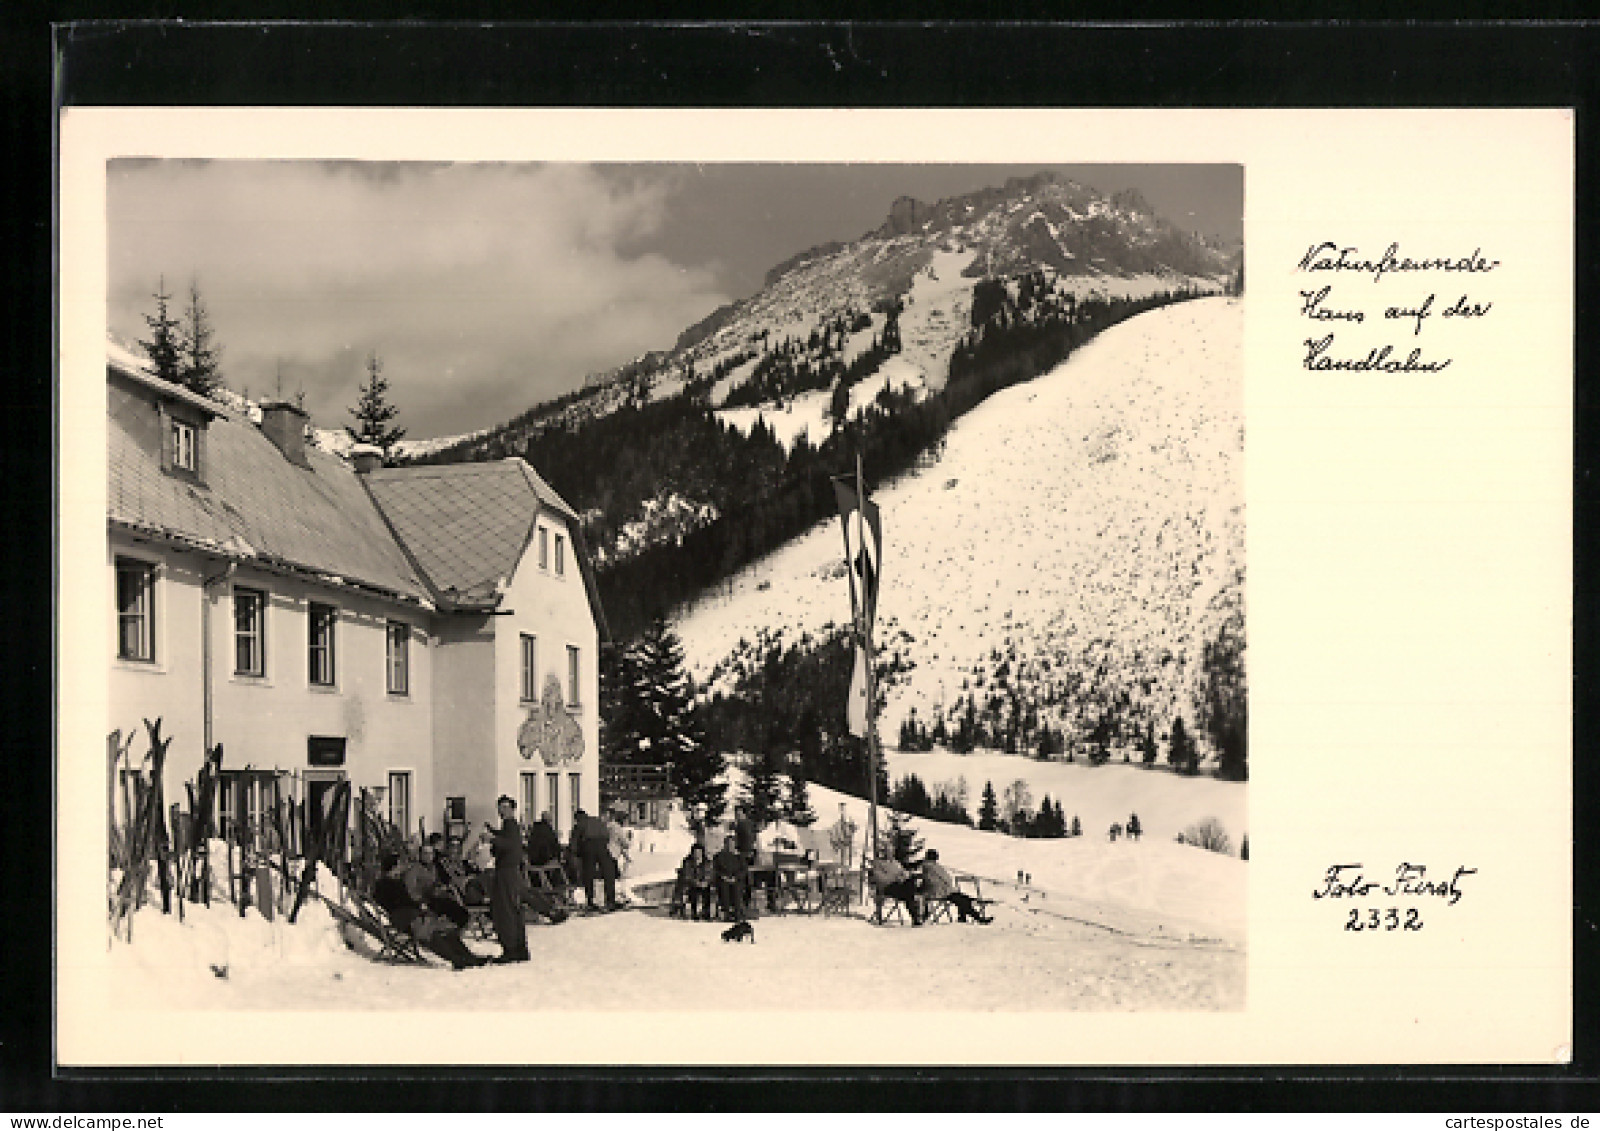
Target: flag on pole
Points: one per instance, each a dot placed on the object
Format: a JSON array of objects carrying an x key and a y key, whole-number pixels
[
  {"x": 863, "y": 551},
  {"x": 856, "y": 709}
]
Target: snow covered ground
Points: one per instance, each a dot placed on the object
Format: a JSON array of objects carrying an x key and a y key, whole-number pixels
[
  {"x": 1090, "y": 518},
  {"x": 1125, "y": 926},
  {"x": 1167, "y": 803}
]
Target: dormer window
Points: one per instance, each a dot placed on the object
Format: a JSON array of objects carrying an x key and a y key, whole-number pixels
[
  {"x": 183, "y": 439},
  {"x": 183, "y": 446}
]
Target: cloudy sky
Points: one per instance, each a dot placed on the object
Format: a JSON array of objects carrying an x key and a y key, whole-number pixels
[{"x": 488, "y": 288}]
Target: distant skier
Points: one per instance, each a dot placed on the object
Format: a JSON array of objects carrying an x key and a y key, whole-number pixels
[{"x": 1134, "y": 828}]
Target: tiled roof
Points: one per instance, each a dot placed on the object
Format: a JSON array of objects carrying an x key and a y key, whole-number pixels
[
  {"x": 256, "y": 504},
  {"x": 466, "y": 524}
]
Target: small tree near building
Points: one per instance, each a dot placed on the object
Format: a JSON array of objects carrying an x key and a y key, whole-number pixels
[
  {"x": 165, "y": 344},
  {"x": 199, "y": 357},
  {"x": 373, "y": 410},
  {"x": 901, "y": 837},
  {"x": 799, "y": 811}
]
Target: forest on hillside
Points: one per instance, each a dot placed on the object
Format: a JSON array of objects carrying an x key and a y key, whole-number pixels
[{"x": 755, "y": 495}]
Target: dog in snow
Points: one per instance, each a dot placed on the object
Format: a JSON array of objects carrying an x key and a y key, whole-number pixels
[{"x": 739, "y": 932}]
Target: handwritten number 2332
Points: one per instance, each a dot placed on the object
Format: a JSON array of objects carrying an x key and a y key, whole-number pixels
[{"x": 1378, "y": 918}]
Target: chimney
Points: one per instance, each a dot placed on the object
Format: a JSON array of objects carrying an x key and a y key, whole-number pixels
[
  {"x": 284, "y": 423},
  {"x": 366, "y": 458}
]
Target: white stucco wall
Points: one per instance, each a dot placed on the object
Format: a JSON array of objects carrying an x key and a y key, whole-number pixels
[
  {"x": 464, "y": 717},
  {"x": 264, "y": 721},
  {"x": 554, "y": 609},
  {"x": 169, "y": 687}
]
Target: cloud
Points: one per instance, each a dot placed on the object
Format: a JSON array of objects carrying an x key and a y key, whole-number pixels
[{"x": 484, "y": 288}]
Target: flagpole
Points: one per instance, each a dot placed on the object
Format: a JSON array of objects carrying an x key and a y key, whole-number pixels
[{"x": 865, "y": 631}]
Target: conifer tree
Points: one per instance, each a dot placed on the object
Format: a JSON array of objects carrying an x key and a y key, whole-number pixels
[
  {"x": 989, "y": 808},
  {"x": 199, "y": 357},
  {"x": 1044, "y": 823},
  {"x": 664, "y": 723},
  {"x": 1181, "y": 749},
  {"x": 798, "y": 809},
  {"x": 165, "y": 343},
  {"x": 902, "y": 839},
  {"x": 1077, "y": 826},
  {"x": 620, "y": 701},
  {"x": 767, "y": 801},
  {"x": 373, "y": 410}
]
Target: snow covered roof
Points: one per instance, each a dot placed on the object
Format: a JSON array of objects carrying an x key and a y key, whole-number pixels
[
  {"x": 250, "y": 502},
  {"x": 465, "y": 525}
]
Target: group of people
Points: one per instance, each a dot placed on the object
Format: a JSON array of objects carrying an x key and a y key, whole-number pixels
[
  {"x": 724, "y": 874},
  {"x": 428, "y": 897},
  {"x": 931, "y": 882},
  {"x": 727, "y": 874}
]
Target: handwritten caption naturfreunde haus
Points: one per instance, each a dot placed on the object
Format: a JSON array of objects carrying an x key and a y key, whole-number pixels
[{"x": 1351, "y": 289}]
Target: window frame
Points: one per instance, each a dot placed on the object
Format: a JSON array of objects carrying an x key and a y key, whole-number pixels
[
  {"x": 529, "y": 649},
  {"x": 397, "y": 632},
  {"x": 561, "y": 555},
  {"x": 329, "y": 647},
  {"x": 147, "y": 573},
  {"x": 574, "y": 676},
  {"x": 528, "y": 780},
  {"x": 185, "y": 441},
  {"x": 260, "y": 633},
  {"x": 405, "y": 778},
  {"x": 544, "y": 547}
]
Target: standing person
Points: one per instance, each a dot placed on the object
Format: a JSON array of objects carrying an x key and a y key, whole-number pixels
[
  {"x": 732, "y": 873},
  {"x": 938, "y": 883},
  {"x": 505, "y": 894},
  {"x": 544, "y": 846},
  {"x": 744, "y": 831},
  {"x": 591, "y": 841},
  {"x": 619, "y": 840}
]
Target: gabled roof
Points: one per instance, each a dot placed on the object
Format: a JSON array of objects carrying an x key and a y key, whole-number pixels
[
  {"x": 466, "y": 525},
  {"x": 254, "y": 505}
]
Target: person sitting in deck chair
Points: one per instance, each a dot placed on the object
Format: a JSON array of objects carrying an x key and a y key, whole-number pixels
[
  {"x": 938, "y": 883},
  {"x": 695, "y": 876},
  {"x": 732, "y": 873},
  {"x": 890, "y": 880},
  {"x": 407, "y": 914},
  {"x": 429, "y": 884}
]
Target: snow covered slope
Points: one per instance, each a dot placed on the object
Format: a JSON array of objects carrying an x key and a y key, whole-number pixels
[{"x": 1077, "y": 542}]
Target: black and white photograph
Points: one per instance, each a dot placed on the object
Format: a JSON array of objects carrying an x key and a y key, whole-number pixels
[
  {"x": 590, "y": 589},
  {"x": 674, "y": 587}
]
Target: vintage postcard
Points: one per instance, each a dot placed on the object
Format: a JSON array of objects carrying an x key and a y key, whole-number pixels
[{"x": 1077, "y": 587}]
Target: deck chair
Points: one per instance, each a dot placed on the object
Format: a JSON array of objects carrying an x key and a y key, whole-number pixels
[
  {"x": 885, "y": 907},
  {"x": 394, "y": 945},
  {"x": 553, "y": 878},
  {"x": 943, "y": 911}
]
